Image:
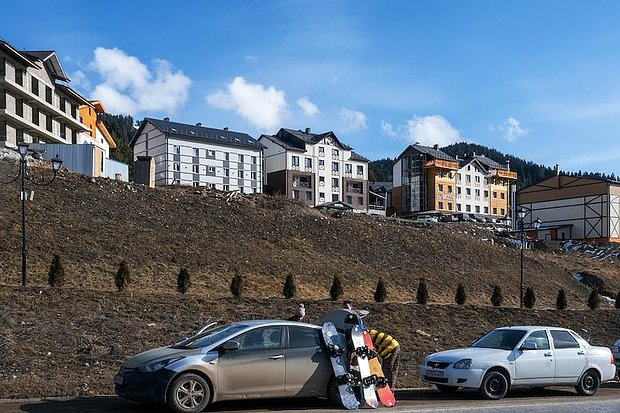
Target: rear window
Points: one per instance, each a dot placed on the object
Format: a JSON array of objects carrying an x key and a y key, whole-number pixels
[{"x": 563, "y": 339}]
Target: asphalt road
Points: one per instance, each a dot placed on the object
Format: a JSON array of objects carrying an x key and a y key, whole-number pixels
[{"x": 552, "y": 400}]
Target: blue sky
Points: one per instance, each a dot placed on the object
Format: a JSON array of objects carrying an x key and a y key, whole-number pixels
[{"x": 536, "y": 79}]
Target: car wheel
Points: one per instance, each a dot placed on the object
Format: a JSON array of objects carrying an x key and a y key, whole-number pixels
[
  {"x": 494, "y": 385},
  {"x": 446, "y": 389},
  {"x": 189, "y": 393},
  {"x": 588, "y": 384}
]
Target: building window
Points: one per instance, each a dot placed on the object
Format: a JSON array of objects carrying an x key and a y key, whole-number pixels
[
  {"x": 176, "y": 149},
  {"x": 494, "y": 211},
  {"x": 63, "y": 131},
  {"x": 48, "y": 123},
  {"x": 468, "y": 179},
  {"x": 225, "y": 187},
  {"x": 321, "y": 180},
  {"x": 440, "y": 205},
  {"x": 477, "y": 209},
  {"x": 458, "y": 207},
  {"x": 349, "y": 199},
  {"x": 458, "y": 178},
  {"x": 502, "y": 195},
  {"x": 176, "y": 166},
  {"x": 254, "y": 160},
  {"x": 196, "y": 152},
  {"x": 334, "y": 166},
  {"x": 348, "y": 168},
  {"x": 502, "y": 212},
  {"x": 212, "y": 186},
  {"x": 477, "y": 179},
  {"x": 486, "y": 194},
  {"x": 295, "y": 160},
  {"x": 477, "y": 192},
  {"x": 449, "y": 189},
  {"x": 322, "y": 196},
  {"x": 449, "y": 206},
  {"x": 440, "y": 187},
  {"x": 321, "y": 164},
  {"x": 308, "y": 196},
  {"x": 468, "y": 191},
  {"x": 360, "y": 200},
  {"x": 295, "y": 194},
  {"x": 35, "y": 116},
  {"x": 360, "y": 170},
  {"x": 468, "y": 208},
  {"x": 241, "y": 158},
  {"x": 195, "y": 183},
  {"x": 334, "y": 197},
  {"x": 334, "y": 182},
  {"x": 469, "y": 167},
  {"x": 211, "y": 153},
  {"x": 335, "y": 152},
  {"x": 458, "y": 190},
  {"x": 321, "y": 151},
  {"x": 308, "y": 163},
  {"x": 226, "y": 172},
  {"x": 48, "y": 94},
  {"x": 34, "y": 86},
  {"x": 239, "y": 174},
  {"x": 486, "y": 181},
  {"x": 494, "y": 195},
  {"x": 212, "y": 169},
  {"x": 19, "y": 76},
  {"x": 486, "y": 210},
  {"x": 226, "y": 156},
  {"x": 253, "y": 175},
  {"x": 195, "y": 168}
]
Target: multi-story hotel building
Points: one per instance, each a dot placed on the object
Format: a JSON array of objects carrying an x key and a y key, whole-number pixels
[
  {"x": 483, "y": 187},
  {"x": 198, "y": 156},
  {"x": 315, "y": 168},
  {"x": 34, "y": 106}
]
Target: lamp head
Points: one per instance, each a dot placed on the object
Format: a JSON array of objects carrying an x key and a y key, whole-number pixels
[
  {"x": 22, "y": 148},
  {"x": 537, "y": 223},
  {"x": 56, "y": 164},
  {"x": 521, "y": 213}
]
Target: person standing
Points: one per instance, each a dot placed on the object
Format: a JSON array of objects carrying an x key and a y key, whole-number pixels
[
  {"x": 388, "y": 350},
  {"x": 300, "y": 314}
]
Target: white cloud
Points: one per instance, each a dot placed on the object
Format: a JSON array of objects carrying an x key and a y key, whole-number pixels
[
  {"x": 431, "y": 130},
  {"x": 79, "y": 79},
  {"x": 512, "y": 129},
  {"x": 130, "y": 87},
  {"x": 250, "y": 58},
  {"x": 309, "y": 108},
  {"x": 353, "y": 119},
  {"x": 263, "y": 107},
  {"x": 388, "y": 129}
]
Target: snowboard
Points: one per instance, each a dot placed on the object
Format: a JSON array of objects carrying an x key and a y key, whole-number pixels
[
  {"x": 337, "y": 350},
  {"x": 367, "y": 379},
  {"x": 386, "y": 396}
]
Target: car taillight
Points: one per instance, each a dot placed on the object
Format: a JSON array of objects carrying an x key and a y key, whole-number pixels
[{"x": 612, "y": 359}]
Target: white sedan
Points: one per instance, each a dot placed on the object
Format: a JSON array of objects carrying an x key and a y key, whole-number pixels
[
  {"x": 616, "y": 350},
  {"x": 526, "y": 356}
]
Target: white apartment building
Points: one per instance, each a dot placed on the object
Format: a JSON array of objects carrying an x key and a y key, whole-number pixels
[
  {"x": 315, "y": 168},
  {"x": 198, "y": 156},
  {"x": 483, "y": 187},
  {"x": 34, "y": 107}
]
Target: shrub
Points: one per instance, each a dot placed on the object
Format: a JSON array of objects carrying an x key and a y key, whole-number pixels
[
  {"x": 460, "y": 296},
  {"x": 560, "y": 302},
  {"x": 336, "y": 291},
  {"x": 618, "y": 300},
  {"x": 530, "y": 298},
  {"x": 183, "y": 281},
  {"x": 422, "y": 294},
  {"x": 236, "y": 284},
  {"x": 496, "y": 297},
  {"x": 289, "y": 290},
  {"x": 56, "y": 274},
  {"x": 123, "y": 277},
  {"x": 594, "y": 300},
  {"x": 380, "y": 292}
]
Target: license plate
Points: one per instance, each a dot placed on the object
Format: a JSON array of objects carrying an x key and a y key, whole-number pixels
[
  {"x": 118, "y": 380},
  {"x": 434, "y": 373}
]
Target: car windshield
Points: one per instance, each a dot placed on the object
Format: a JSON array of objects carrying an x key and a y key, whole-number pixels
[
  {"x": 500, "y": 339},
  {"x": 210, "y": 336}
]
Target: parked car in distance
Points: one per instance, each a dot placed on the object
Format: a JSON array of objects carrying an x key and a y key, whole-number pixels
[
  {"x": 244, "y": 360},
  {"x": 615, "y": 349},
  {"x": 426, "y": 218},
  {"x": 526, "y": 356}
]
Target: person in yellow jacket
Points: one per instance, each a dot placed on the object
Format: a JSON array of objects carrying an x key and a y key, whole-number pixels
[{"x": 389, "y": 354}]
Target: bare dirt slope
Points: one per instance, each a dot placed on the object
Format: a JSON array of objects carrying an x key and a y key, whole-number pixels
[{"x": 93, "y": 224}]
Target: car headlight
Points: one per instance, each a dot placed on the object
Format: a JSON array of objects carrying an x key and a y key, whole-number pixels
[
  {"x": 157, "y": 365},
  {"x": 464, "y": 364}
]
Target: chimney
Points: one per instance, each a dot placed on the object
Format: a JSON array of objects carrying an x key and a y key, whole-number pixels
[
  {"x": 508, "y": 164},
  {"x": 473, "y": 154},
  {"x": 436, "y": 147},
  {"x": 198, "y": 124},
  {"x": 557, "y": 176},
  {"x": 166, "y": 119},
  {"x": 308, "y": 131},
  {"x": 225, "y": 127},
  {"x": 557, "y": 169}
]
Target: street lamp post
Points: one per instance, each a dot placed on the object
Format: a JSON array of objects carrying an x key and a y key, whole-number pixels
[
  {"x": 521, "y": 213},
  {"x": 24, "y": 150}
]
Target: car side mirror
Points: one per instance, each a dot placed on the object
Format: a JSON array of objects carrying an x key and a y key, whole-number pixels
[
  {"x": 231, "y": 346},
  {"x": 529, "y": 345}
]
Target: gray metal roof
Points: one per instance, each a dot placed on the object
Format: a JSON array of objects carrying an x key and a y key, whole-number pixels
[
  {"x": 200, "y": 133},
  {"x": 427, "y": 150},
  {"x": 295, "y": 138},
  {"x": 486, "y": 163},
  {"x": 358, "y": 157}
]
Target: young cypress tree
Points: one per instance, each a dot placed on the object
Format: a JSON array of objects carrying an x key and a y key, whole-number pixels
[
  {"x": 460, "y": 296},
  {"x": 183, "y": 281},
  {"x": 618, "y": 300},
  {"x": 594, "y": 300},
  {"x": 123, "y": 277},
  {"x": 530, "y": 298},
  {"x": 56, "y": 273},
  {"x": 289, "y": 290},
  {"x": 236, "y": 284},
  {"x": 336, "y": 291},
  {"x": 496, "y": 297},
  {"x": 380, "y": 292},
  {"x": 560, "y": 302},
  {"x": 422, "y": 293}
]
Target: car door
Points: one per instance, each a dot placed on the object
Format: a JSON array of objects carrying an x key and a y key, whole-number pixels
[
  {"x": 570, "y": 358},
  {"x": 308, "y": 367},
  {"x": 535, "y": 367},
  {"x": 257, "y": 367}
]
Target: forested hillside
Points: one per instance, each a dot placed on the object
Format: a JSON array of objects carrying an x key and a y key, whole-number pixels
[{"x": 121, "y": 128}]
